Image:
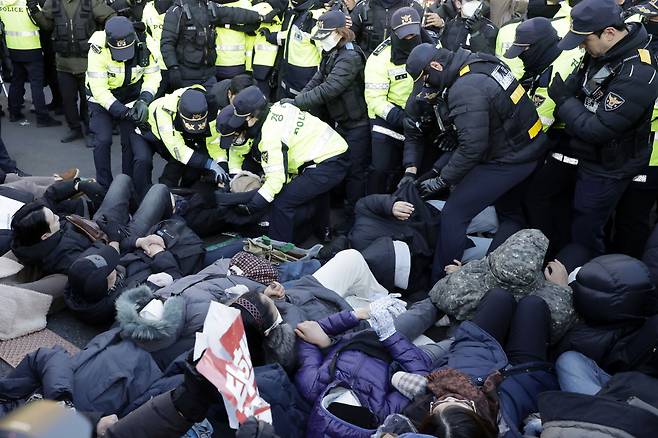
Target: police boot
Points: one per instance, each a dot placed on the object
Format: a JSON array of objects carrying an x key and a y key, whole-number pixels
[{"x": 74, "y": 134}]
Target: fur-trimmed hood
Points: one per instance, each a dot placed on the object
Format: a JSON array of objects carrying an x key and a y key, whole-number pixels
[{"x": 148, "y": 334}]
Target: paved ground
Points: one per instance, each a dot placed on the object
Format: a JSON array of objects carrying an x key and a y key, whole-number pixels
[{"x": 38, "y": 151}]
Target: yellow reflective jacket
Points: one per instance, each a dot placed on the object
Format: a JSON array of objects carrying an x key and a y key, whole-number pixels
[
  {"x": 386, "y": 84},
  {"x": 154, "y": 22},
  {"x": 20, "y": 31}
]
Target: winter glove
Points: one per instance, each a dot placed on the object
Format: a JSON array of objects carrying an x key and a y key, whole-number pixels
[
  {"x": 287, "y": 100},
  {"x": 560, "y": 91},
  {"x": 242, "y": 210},
  {"x": 408, "y": 178},
  {"x": 474, "y": 23},
  {"x": 140, "y": 112},
  {"x": 254, "y": 428},
  {"x": 395, "y": 117},
  {"x": 221, "y": 176},
  {"x": 271, "y": 37},
  {"x": 383, "y": 313},
  {"x": 432, "y": 186},
  {"x": 269, "y": 17},
  {"x": 447, "y": 141},
  {"x": 193, "y": 397},
  {"x": 32, "y": 6},
  {"x": 175, "y": 77}
]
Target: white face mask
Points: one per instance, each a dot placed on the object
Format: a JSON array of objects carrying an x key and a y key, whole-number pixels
[
  {"x": 469, "y": 8},
  {"x": 330, "y": 42}
]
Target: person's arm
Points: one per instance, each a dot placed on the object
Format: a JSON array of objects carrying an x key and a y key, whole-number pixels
[
  {"x": 44, "y": 17},
  {"x": 376, "y": 89},
  {"x": 310, "y": 378},
  {"x": 272, "y": 157},
  {"x": 302, "y": 101},
  {"x": 357, "y": 19},
  {"x": 414, "y": 138},
  {"x": 470, "y": 112},
  {"x": 165, "y": 261},
  {"x": 170, "y": 35},
  {"x": 338, "y": 323},
  {"x": 627, "y": 99},
  {"x": 378, "y": 205},
  {"x": 340, "y": 78},
  {"x": 174, "y": 142},
  {"x": 101, "y": 11},
  {"x": 97, "y": 78},
  {"x": 151, "y": 80},
  {"x": 229, "y": 15}
]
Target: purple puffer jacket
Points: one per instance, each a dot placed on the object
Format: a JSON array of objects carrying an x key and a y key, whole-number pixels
[{"x": 368, "y": 377}]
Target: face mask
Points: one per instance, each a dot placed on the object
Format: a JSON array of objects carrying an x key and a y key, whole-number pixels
[
  {"x": 330, "y": 42},
  {"x": 469, "y": 8},
  {"x": 436, "y": 79}
]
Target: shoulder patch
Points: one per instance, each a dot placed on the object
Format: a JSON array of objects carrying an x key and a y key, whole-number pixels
[
  {"x": 96, "y": 49},
  {"x": 613, "y": 101},
  {"x": 264, "y": 156},
  {"x": 380, "y": 48},
  {"x": 645, "y": 56}
]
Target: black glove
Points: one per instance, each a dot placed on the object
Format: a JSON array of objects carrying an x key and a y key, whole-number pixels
[
  {"x": 474, "y": 23},
  {"x": 447, "y": 141},
  {"x": 408, "y": 178},
  {"x": 242, "y": 210},
  {"x": 269, "y": 36},
  {"x": 140, "y": 112},
  {"x": 193, "y": 397},
  {"x": 395, "y": 117},
  {"x": 32, "y": 6},
  {"x": 287, "y": 100},
  {"x": 560, "y": 91},
  {"x": 432, "y": 186},
  {"x": 267, "y": 18},
  {"x": 175, "y": 77}
]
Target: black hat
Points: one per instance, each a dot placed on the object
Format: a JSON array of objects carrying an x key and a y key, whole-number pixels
[
  {"x": 419, "y": 59},
  {"x": 193, "y": 111},
  {"x": 327, "y": 23},
  {"x": 590, "y": 16},
  {"x": 120, "y": 38},
  {"x": 245, "y": 104},
  {"x": 88, "y": 275},
  {"x": 226, "y": 133},
  {"x": 530, "y": 32},
  {"x": 405, "y": 21}
]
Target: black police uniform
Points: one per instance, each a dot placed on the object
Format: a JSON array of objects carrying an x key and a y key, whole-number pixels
[
  {"x": 608, "y": 120},
  {"x": 371, "y": 21},
  {"x": 500, "y": 141}
]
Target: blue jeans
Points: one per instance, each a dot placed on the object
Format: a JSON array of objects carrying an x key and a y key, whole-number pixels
[{"x": 578, "y": 373}]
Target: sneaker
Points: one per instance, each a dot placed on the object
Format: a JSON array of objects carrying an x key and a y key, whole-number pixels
[
  {"x": 68, "y": 175},
  {"x": 74, "y": 134},
  {"x": 16, "y": 117},
  {"x": 48, "y": 122}
]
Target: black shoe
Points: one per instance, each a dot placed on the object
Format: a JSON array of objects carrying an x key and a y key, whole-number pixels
[
  {"x": 324, "y": 234},
  {"x": 20, "y": 173},
  {"x": 88, "y": 141},
  {"x": 17, "y": 117},
  {"x": 74, "y": 134},
  {"x": 48, "y": 122},
  {"x": 56, "y": 108}
]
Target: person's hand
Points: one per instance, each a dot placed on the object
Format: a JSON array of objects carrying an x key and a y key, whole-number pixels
[
  {"x": 269, "y": 17},
  {"x": 408, "y": 178},
  {"x": 140, "y": 112},
  {"x": 32, "y": 6},
  {"x": 454, "y": 267},
  {"x": 432, "y": 19},
  {"x": 447, "y": 141},
  {"x": 555, "y": 272},
  {"x": 161, "y": 279},
  {"x": 175, "y": 77},
  {"x": 151, "y": 239},
  {"x": 287, "y": 100},
  {"x": 362, "y": 313},
  {"x": 242, "y": 210},
  {"x": 153, "y": 249},
  {"x": 265, "y": 32},
  {"x": 383, "y": 313},
  {"x": 221, "y": 176},
  {"x": 432, "y": 186},
  {"x": 474, "y": 23},
  {"x": 104, "y": 423},
  {"x": 192, "y": 398},
  {"x": 402, "y": 210},
  {"x": 275, "y": 290},
  {"x": 560, "y": 91},
  {"x": 311, "y": 332}
]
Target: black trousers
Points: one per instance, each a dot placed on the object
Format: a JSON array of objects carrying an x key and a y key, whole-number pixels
[
  {"x": 28, "y": 71},
  {"x": 632, "y": 222},
  {"x": 386, "y": 165},
  {"x": 356, "y": 180},
  {"x": 72, "y": 87},
  {"x": 100, "y": 127},
  {"x": 523, "y": 329},
  {"x": 6, "y": 163}
]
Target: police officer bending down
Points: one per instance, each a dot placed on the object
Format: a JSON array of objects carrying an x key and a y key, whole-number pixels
[
  {"x": 303, "y": 159},
  {"x": 121, "y": 70},
  {"x": 499, "y": 136},
  {"x": 606, "y": 106},
  {"x": 177, "y": 130}
]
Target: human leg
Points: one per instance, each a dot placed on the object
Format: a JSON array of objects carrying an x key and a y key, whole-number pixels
[
  {"x": 115, "y": 207},
  {"x": 126, "y": 128},
  {"x": 529, "y": 332},
  {"x": 69, "y": 87},
  {"x": 632, "y": 220},
  {"x": 494, "y": 313},
  {"x": 155, "y": 207},
  {"x": 356, "y": 180},
  {"x": 578, "y": 373},
  {"x": 6, "y": 163},
  {"x": 142, "y": 161},
  {"x": 100, "y": 126},
  {"x": 420, "y": 316},
  {"x": 35, "y": 72},
  {"x": 347, "y": 273},
  {"x": 16, "y": 93},
  {"x": 386, "y": 154}
]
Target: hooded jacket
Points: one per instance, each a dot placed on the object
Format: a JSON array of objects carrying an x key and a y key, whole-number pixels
[
  {"x": 516, "y": 266},
  {"x": 368, "y": 377}
]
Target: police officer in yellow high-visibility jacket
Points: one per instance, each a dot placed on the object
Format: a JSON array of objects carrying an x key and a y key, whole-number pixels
[
  {"x": 387, "y": 88},
  {"x": 22, "y": 38},
  {"x": 303, "y": 158},
  {"x": 264, "y": 52},
  {"x": 231, "y": 44},
  {"x": 153, "y": 17},
  {"x": 120, "y": 71}
]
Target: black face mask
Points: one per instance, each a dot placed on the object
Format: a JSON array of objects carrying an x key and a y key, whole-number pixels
[
  {"x": 436, "y": 79},
  {"x": 540, "y": 55},
  {"x": 400, "y": 48}
]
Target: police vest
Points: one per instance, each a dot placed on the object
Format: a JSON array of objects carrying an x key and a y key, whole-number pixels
[
  {"x": 386, "y": 84},
  {"x": 71, "y": 34},
  {"x": 504, "y": 41},
  {"x": 299, "y": 49},
  {"x": 264, "y": 52},
  {"x": 514, "y": 110},
  {"x": 20, "y": 31},
  {"x": 231, "y": 44},
  {"x": 196, "y": 46},
  {"x": 292, "y": 139},
  {"x": 109, "y": 80},
  {"x": 154, "y": 22}
]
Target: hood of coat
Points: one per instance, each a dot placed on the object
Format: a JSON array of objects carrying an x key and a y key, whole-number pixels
[
  {"x": 152, "y": 335},
  {"x": 519, "y": 260},
  {"x": 280, "y": 347}
]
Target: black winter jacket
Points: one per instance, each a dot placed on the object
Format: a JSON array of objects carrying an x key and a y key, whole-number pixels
[
  {"x": 490, "y": 126},
  {"x": 338, "y": 87},
  {"x": 456, "y": 34},
  {"x": 610, "y": 131}
]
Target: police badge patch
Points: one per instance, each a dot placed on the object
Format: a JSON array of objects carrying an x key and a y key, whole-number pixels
[
  {"x": 264, "y": 156},
  {"x": 613, "y": 101}
]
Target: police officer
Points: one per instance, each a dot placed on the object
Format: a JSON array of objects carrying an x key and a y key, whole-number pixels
[
  {"x": 550, "y": 193},
  {"x": 265, "y": 46},
  {"x": 499, "y": 141},
  {"x": 337, "y": 88},
  {"x": 121, "y": 70},
  {"x": 387, "y": 87},
  {"x": 22, "y": 38},
  {"x": 153, "y": 17},
  {"x": 72, "y": 24},
  {"x": 303, "y": 159},
  {"x": 188, "y": 43},
  {"x": 231, "y": 44},
  {"x": 606, "y": 106},
  {"x": 177, "y": 130},
  {"x": 470, "y": 28}
]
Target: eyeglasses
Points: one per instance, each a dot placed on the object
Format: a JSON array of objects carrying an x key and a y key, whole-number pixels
[{"x": 469, "y": 404}]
